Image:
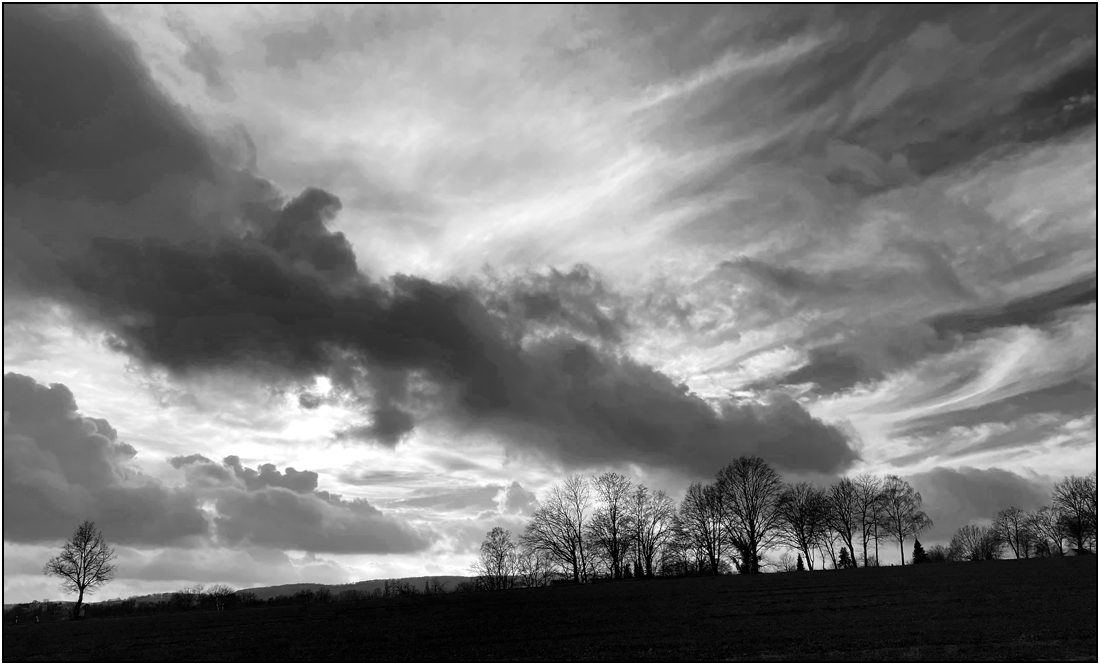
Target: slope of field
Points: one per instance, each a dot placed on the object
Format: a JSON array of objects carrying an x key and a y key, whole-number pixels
[{"x": 999, "y": 610}]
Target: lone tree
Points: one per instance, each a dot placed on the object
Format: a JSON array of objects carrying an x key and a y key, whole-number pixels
[{"x": 84, "y": 563}]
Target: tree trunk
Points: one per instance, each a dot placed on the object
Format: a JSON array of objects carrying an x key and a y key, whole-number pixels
[
  {"x": 876, "y": 545},
  {"x": 79, "y": 602},
  {"x": 901, "y": 544}
]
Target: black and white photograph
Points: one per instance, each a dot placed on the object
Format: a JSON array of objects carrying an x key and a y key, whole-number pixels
[{"x": 550, "y": 332}]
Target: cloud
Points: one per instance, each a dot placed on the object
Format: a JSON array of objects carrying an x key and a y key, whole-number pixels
[
  {"x": 269, "y": 476},
  {"x": 95, "y": 125},
  {"x": 315, "y": 522},
  {"x": 61, "y": 468},
  {"x": 515, "y": 500},
  {"x": 183, "y": 460},
  {"x": 279, "y": 295},
  {"x": 956, "y": 497},
  {"x": 201, "y": 56}
]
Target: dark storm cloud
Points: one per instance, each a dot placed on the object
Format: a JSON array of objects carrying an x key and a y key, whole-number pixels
[
  {"x": 576, "y": 301},
  {"x": 79, "y": 104},
  {"x": 61, "y": 468},
  {"x": 388, "y": 426},
  {"x": 957, "y": 497},
  {"x": 272, "y": 291}
]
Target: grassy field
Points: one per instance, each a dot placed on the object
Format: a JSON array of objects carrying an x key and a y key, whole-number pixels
[{"x": 998, "y": 610}]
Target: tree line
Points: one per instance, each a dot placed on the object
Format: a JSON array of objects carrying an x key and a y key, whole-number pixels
[
  {"x": 1068, "y": 524},
  {"x": 609, "y": 527}
]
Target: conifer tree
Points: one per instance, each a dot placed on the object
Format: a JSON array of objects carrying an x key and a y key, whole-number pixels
[
  {"x": 919, "y": 555},
  {"x": 799, "y": 565},
  {"x": 845, "y": 559}
]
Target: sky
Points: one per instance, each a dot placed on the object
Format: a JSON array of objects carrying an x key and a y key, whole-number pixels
[{"x": 326, "y": 293}]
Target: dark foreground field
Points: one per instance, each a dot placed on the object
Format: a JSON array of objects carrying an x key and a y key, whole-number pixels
[{"x": 998, "y": 610}]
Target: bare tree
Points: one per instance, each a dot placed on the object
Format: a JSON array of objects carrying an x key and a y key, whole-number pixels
[
  {"x": 1074, "y": 498},
  {"x": 786, "y": 563},
  {"x": 558, "y": 524},
  {"x": 496, "y": 565},
  {"x": 533, "y": 566},
  {"x": 652, "y": 516},
  {"x": 609, "y": 530},
  {"x": 189, "y": 596},
  {"x": 84, "y": 564},
  {"x": 1013, "y": 528},
  {"x": 701, "y": 522},
  {"x": 220, "y": 594},
  {"x": 802, "y": 519},
  {"x": 750, "y": 495},
  {"x": 974, "y": 543},
  {"x": 868, "y": 497},
  {"x": 1049, "y": 529},
  {"x": 844, "y": 512},
  {"x": 902, "y": 516}
]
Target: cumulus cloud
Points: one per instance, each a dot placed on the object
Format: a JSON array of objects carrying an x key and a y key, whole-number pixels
[
  {"x": 269, "y": 476},
  {"x": 514, "y": 499},
  {"x": 61, "y": 467}
]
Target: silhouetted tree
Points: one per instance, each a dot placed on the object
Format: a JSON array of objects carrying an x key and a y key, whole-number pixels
[
  {"x": 702, "y": 524},
  {"x": 750, "y": 491},
  {"x": 1049, "y": 529},
  {"x": 802, "y": 511},
  {"x": 919, "y": 555},
  {"x": 557, "y": 526},
  {"x": 937, "y": 554},
  {"x": 842, "y": 512},
  {"x": 497, "y": 563},
  {"x": 1013, "y": 528},
  {"x": 609, "y": 529},
  {"x": 845, "y": 560},
  {"x": 798, "y": 564},
  {"x": 902, "y": 516},
  {"x": 84, "y": 564},
  {"x": 220, "y": 595},
  {"x": 868, "y": 507},
  {"x": 974, "y": 543},
  {"x": 652, "y": 516},
  {"x": 786, "y": 563},
  {"x": 188, "y": 597},
  {"x": 533, "y": 566},
  {"x": 1074, "y": 498}
]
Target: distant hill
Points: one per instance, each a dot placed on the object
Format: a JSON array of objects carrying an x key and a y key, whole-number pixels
[{"x": 266, "y": 592}]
